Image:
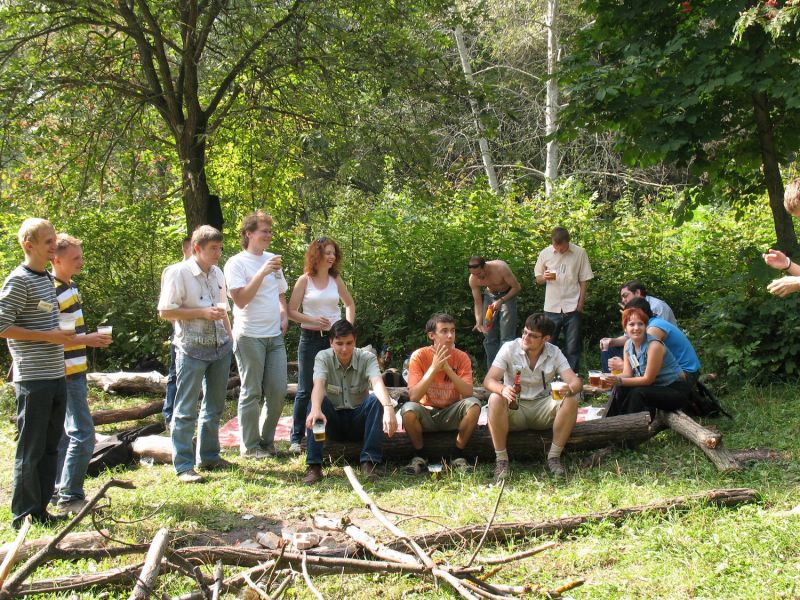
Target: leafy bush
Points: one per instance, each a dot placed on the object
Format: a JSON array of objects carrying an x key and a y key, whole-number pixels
[{"x": 746, "y": 333}]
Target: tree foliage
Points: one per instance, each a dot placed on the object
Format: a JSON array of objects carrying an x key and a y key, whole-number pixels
[
  {"x": 669, "y": 82},
  {"x": 185, "y": 68}
]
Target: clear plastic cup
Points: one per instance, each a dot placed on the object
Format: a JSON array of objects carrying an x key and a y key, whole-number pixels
[
  {"x": 319, "y": 430},
  {"x": 66, "y": 323},
  {"x": 105, "y": 329}
]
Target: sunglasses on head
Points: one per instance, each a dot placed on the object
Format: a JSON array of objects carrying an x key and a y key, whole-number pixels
[{"x": 474, "y": 266}]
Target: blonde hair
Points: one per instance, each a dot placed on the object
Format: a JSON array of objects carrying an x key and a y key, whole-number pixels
[
  {"x": 31, "y": 228},
  {"x": 791, "y": 197},
  {"x": 65, "y": 240}
]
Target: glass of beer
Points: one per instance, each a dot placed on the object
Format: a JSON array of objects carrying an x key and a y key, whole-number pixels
[
  {"x": 319, "y": 430},
  {"x": 594, "y": 378},
  {"x": 607, "y": 381},
  {"x": 559, "y": 389}
]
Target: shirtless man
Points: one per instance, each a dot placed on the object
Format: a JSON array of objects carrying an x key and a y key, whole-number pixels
[{"x": 501, "y": 290}]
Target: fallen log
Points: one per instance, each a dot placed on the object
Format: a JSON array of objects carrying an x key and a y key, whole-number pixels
[
  {"x": 133, "y": 413},
  {"x": 123, "y": 382},
  {"x": 521, "y": 444},
  {"x": 708, "y": 441},
  {"x": 503, "y": 532},
  {"x": 683, "y": 424},
  {"x": 89, "y": 540},
  {"x": 157, "y": 447}
]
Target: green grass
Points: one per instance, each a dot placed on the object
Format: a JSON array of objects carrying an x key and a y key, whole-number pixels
[{"x": 707, "y": 552}]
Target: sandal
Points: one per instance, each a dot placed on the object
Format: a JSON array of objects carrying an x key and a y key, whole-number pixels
[{"x": 416, "y": 466}]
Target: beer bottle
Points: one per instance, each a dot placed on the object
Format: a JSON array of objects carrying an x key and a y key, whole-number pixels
[{"x": 514, "y": 404}]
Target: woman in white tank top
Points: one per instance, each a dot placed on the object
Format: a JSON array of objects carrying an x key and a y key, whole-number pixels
[{"x": 320, "y": 290}]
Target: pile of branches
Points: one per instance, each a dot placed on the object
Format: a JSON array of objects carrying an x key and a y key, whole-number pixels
[{"x": 271, "y": 572}]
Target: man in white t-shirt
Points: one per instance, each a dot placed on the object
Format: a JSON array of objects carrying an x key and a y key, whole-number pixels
[{"x": 258, "y": 289}]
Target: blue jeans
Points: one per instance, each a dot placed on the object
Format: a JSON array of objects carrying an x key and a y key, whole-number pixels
[
  {"x": 571, "y": 324},
  {"x": 262, "y": 370},
  {"x": 616, "y": 351},
  {"x": 504, "y": 328},
  {"x": 40, "y": 424},
  {"x": 364, "y": 422},
  {"x": 212, "y": 377},
  {"x": 311, "y": 342},
  {"x": 77, "y": 443},
  {"x": 172, "y": 387}
]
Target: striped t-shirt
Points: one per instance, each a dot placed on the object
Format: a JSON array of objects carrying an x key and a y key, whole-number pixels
[
  {"x": 69, "y": 302},
  {"x": 28, "y": 300}
]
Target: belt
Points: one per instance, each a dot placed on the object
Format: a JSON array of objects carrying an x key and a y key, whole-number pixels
[
  {"x": 314, "y": 332},
  {"x": 498, "y": 294}
]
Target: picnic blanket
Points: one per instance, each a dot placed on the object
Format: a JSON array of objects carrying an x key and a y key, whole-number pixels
[{"x": 229, "y": 433}]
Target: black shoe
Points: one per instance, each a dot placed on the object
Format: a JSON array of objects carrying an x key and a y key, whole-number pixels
[
  {"x": 48, "y": 519},
  {"x": 368, "y": 470}
]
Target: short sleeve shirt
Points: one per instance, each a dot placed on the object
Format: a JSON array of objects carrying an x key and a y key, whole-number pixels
[
  {"x": 535, "y": 381},
  {"x": 571, "y": 268},
  {"x": 28, "y": 300},
  {"x": 661, "y": 309},
  {"x": 69, "y": 302},
  {"x": 442, "y": 391},
  {"x": 186, "y": 285},
  {"x": 346, "y": 387},
  {"x": 261, "y": 317}
]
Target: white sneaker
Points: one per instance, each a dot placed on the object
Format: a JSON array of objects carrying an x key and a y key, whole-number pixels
[
  {"x": 257, "y": 453},
  {"x": 295, "y": 448}
]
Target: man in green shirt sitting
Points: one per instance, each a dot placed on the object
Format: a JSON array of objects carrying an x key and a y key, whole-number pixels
[{"x": 342, "y": 401}]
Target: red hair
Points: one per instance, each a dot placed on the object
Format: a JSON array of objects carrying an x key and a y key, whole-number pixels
[
  {"x": 629, "y": 313},
  {"x": 316, "y": 253}
]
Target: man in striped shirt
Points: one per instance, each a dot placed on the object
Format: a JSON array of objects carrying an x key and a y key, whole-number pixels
[
  {"x": 77, "y": 443},
  {"x": 29, "y": 322}
]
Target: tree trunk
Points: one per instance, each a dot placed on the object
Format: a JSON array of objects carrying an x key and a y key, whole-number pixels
[
  {"x": 488, "y": 163},
  {"x": 192, "y": 153},
  {"x": 551, "y": 108},
  {"x": 784, "y": 229}
]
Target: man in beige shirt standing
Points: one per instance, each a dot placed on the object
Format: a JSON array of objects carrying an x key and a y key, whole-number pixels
[
  {"x": 564, "y": 269},
  {"x": 501, "y": 290}
]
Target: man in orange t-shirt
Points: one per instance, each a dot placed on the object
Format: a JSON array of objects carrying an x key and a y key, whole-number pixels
[{"x": 440, "y": 393}]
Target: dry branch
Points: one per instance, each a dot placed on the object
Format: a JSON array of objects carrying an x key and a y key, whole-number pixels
[
  {"x": 145, "y": 583},
  {"x": 501, "y": 560},
  {"x": 512, "y": 531},
  {"x": 423, "y": 556},
  {"x": 11, "y": 586},
  {"x": 312, "y": 588},
  {"x": 364, "y": 539},
  {"x": 11, "y": 554}
]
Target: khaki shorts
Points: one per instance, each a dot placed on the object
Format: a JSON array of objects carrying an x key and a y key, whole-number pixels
[
  {"x": 441, "y": 419},
  {"x": 533, "y": 414}
]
